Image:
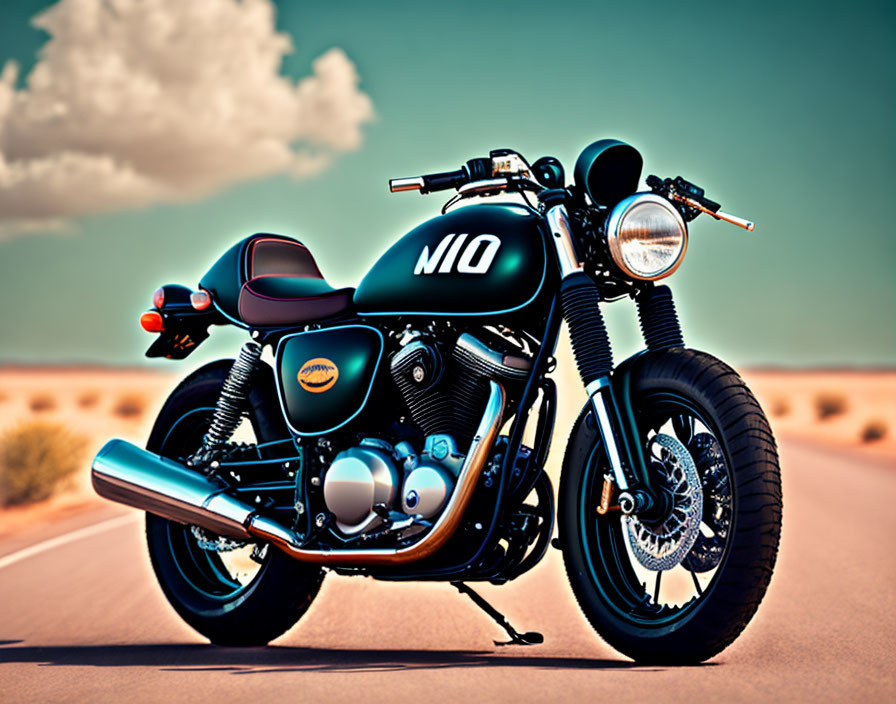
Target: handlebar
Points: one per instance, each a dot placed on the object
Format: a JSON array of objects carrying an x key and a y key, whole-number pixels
[
  {"x": 429, "y": 183},
  {"x": 473, "y": 170}
]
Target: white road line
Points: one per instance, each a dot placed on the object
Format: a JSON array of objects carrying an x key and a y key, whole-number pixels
[{"x": 101, "y": 527}]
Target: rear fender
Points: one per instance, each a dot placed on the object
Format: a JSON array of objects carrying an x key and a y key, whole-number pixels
[{"x": 184, "y": 327}]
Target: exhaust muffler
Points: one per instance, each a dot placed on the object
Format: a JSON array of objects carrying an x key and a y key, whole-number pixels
[{"x": 135, "y": 477}]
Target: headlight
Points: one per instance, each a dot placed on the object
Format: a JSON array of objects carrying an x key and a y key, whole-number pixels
[{"x": 647, "y": 236}]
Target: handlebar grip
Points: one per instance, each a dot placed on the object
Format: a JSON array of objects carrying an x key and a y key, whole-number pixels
[
  {"x": 444, "y": 181},
  {"x": 431, "y": 182}
]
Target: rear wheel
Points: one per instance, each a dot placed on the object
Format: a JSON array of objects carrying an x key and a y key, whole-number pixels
[
  {"x": 682, "y": 589},
  {"x": 241, "y": 595}
]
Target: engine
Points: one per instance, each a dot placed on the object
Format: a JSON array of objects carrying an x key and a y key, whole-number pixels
[
  {"x": 375, "y": 481},
  {"x": 367, "y": 484},
  {"x": 447, "y": 395}
]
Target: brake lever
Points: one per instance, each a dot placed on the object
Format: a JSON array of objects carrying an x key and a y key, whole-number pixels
[
  {"x": 693, "y": 197},
  {"x": 717, "y": 214}
]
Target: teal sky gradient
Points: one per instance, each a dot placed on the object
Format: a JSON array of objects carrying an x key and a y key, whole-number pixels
[{"x": 784, "y": 112}]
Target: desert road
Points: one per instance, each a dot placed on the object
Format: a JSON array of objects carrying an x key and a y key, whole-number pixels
[{"x": 81, "y": 619}]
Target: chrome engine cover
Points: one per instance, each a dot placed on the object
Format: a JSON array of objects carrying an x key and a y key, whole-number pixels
[
  {"x": 358, "y": 479},
  {"x": 425, "y": 492},
  {"x": 430, "y": 482},
  {"x": 396, "y": 478}
]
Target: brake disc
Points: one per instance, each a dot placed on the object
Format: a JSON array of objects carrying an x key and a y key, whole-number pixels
[{"x": 661, "y": 546}]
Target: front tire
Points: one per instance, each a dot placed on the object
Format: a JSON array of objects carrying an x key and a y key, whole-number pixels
[
  {"x": 198, "y": 583},
  {"x": 702, "y": 401}
]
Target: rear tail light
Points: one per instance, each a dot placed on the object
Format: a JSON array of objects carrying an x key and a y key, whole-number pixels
[
  {"x": 151, "y": 321},
  {"x": 200, "y": 300},
  {"x": 158, "y": 298}
]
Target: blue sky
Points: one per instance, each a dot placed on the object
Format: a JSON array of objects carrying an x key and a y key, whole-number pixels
[{"x": 782, "y": 111}]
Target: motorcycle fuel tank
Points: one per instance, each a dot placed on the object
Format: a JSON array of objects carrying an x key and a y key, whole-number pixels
[
  {"x": 475, "y": 260},
  {"x": 324, "y": 376}
]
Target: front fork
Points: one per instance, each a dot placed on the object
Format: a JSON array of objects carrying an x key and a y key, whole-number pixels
[{"x": 579, "y": 297}]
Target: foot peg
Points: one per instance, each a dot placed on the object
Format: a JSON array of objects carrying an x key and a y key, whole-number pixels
[{"x": 516, "y": 638}]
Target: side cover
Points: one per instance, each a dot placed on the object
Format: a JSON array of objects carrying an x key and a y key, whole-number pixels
[
  {"x": 324, "y": 376},
  {"x": 476, "y": 260}
]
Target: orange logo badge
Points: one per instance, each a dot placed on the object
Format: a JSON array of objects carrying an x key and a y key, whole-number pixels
[{"x": 318, "y": 375}]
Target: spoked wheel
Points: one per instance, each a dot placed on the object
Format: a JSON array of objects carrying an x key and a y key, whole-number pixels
[
  {"x": 233, "y": 593},
  {"x": 681, "y": 587}
]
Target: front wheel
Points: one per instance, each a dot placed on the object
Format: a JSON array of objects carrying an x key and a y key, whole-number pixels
[{"x": 679, "y": 589}]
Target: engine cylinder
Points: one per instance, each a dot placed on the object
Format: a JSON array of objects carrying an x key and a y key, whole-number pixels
[{"x": 447, "y": 397}]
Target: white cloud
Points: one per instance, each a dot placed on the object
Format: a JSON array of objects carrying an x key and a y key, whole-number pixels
[{"x": 138, "y": 102}]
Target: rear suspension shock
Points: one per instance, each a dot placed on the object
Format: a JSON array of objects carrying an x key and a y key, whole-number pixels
[{"x": 229, "y": 409}]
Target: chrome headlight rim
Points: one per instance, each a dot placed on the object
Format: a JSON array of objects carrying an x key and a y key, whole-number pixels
[{"x": 615, "y": 219}]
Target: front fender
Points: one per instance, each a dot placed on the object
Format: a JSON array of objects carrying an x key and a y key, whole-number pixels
[
  {"x": 621, "y": 380},
  {"x": 621, "y": 383}
]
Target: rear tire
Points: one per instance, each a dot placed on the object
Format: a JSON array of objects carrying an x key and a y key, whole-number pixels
[
  {"x": 622, "y": 609},
  {"x": 195, "y": 581}
]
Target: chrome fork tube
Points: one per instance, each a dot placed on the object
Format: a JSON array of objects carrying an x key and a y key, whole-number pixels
[
  {"x": 599, "y": 393},
  {"x": 596, "y": 386},
  {"x": 561, "y": 236}
]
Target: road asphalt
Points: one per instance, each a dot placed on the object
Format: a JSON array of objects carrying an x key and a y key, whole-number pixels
[{"x": 83, "y": 620}]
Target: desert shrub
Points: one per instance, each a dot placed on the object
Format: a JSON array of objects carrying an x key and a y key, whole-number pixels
[
  {"x": 88, "y": 399},
  {"x": 41, "y": 402},
  {"x": 780, "y": 407},
  {"x": 875, "y": 429},
  {"x": 129, "y": 406},
  {"x": 34, "y": 458},
  {"x": 828, "y": 405}
]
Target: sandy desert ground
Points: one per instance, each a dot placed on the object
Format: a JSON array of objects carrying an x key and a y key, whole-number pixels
[
  {"x": 85, "y": 400},
  {"x": 860, "y": 403}
]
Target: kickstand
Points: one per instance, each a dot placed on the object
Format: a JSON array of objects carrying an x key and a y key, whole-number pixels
[{"x": 516, "y": 638}]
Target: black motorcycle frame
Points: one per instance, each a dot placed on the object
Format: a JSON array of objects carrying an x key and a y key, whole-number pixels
[{"x": 557, "y": 208}]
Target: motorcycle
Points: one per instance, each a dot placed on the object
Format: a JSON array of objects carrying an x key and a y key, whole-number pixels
[{"x": 386, "y": 437}]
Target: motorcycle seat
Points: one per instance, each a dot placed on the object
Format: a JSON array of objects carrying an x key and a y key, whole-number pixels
[
  {"x": 279, "y": 299},
  {"x": 270, "y": 280}
]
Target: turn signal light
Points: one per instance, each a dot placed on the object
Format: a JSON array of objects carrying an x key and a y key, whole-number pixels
[
  {"x": 200, "y": 300},
  {"x": 151, "y": 321},
  {"x": 158, "y": 298}
]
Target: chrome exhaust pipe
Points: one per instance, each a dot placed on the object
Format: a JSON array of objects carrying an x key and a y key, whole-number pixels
[
  {"x": 135, "y": 477},
  {"x": 127, "y": 474}
]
